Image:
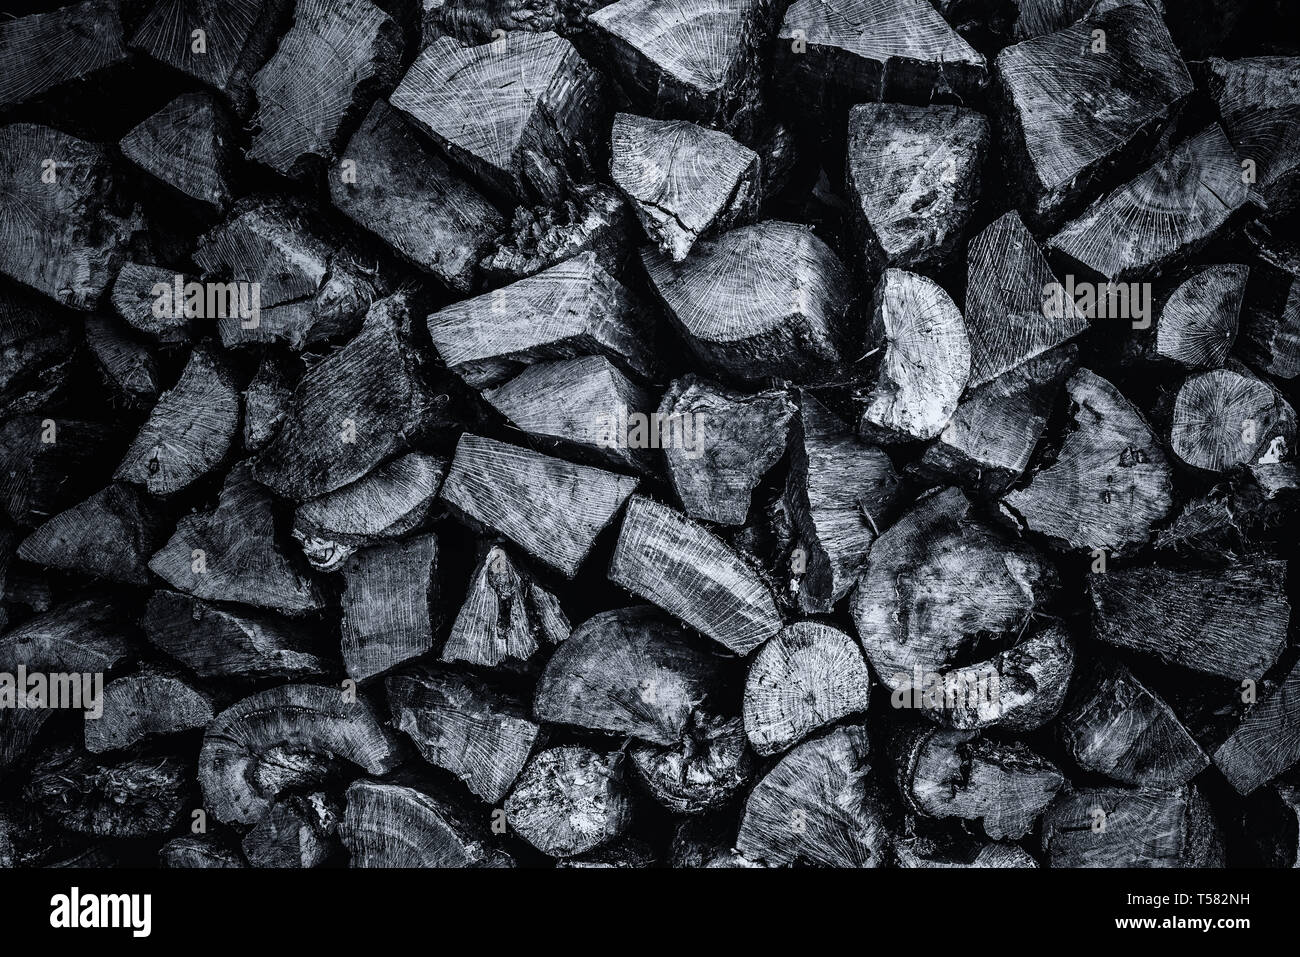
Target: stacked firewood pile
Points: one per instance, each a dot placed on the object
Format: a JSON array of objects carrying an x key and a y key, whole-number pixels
[{"x": 654, "y": 433}]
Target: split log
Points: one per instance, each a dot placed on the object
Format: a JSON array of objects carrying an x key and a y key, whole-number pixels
[
  {"x": 989, "y": 441},
  {"x": 189, "y": 145},
  {"x": 44, "y": 51},
  {"x": 1169, "y": 211},
  {"x": 133, "y": 297},
  {"x": 1259, "y": 102},
  {"x": 1007, "y": 280},
  {"x": 914, "y": 177},
  {"x": 135, "y": 797},
  {"x": 593, "y": 218},
  {"x": 715, "y": 476},
  {"x": 143, "y": 705},
  {"x": 572, "y": 309},
  {"x": 550, "y": 508},
  {"x": 393, "y": 825},
  {"x": 286, "y": 739},
  {"x": 232, "y": 553},
  {"x": 110, "y": 535},
  {"x": 203, "y": 851},
  {"x": 190, "y": 430},
  {"x": 386, "y": 504},
  {"x": 1251, "y": 505},
  {"x": 683, "y": 180},
  {"x": 266, "y": 402},
  {"x": 926, "y": 363},
  {"x": 675, "y": 563},
  {"x": 940, "y": 580},
  {"x": 1003, "y": 785},
  {"x": 763, "y": 300},
  {"x": 225, "y": 642},
  {"x": 519, "y": 113},
  {"x": 1222, "y": 419},
  {"x": 837, "y": 51},
  {"x": 1110, "y": 482},
  {"x": 1134, "y": 82},
  {"x": 305, "y": 291},
  {"x": 391, "y": 605},
  {"x": 60, "y": 232},
  {"x": 839, "y": 493},
  {"x": 464, "y": 725},
  {"x": 703, "y": 771},
  {"x": 1228, "y": 620},
  {"x": 237, "y": 37},
  {"x": 1198, "y": 324},
  {"x": 815, "y": 807},
  {"x": 127, "y": 367},
  {"x": 351, "y": 411},
  {"x": 46, "y": 464},
  {"x": 298, "y": 831},
  {"x": 586, "y": 405},
  {"x": 1268, "y": 741},
  {"x": 337, "y": 56},
  {"x": 41, "y": 347},
  {"x": 1140, "y": 827},
  {"x": 1118, "y": 727},
  {"x": 570, "y": 800},
  {"x": 411, "y": 199},
  {"x": 507, "y": 616},
  {"x": 631, "y": 672}
]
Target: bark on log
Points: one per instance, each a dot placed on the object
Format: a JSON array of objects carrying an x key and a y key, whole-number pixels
[
  {"x": 198, "y": 852},
  {"x": 391, "y": 605},
  {"x": 127, "y": 367},
  {"x": 394, "y": 825},
  {"x": 134, "y": 797},
  {"x": 266, "y": 402},
  {"x": 40, "y": 478},
  {"x": 145, "y": 705},
  {"x": 43, "y": 51},
  {"x": 42, "y": 344},
  {"x": 1267, "y": 742},
  {"x": 1139, "y": 827},
  {"x": 110, "y": 535},
  {"x": 1198, "y": 323},
  {"x": 189, "y": 145},
  {"x": 918, "y": 853},
  {"x": 570, "y": 800},
  {"x": 593, "y": 218},
  {"x": 1223, "y": 418},
  {"x": 1259, "y": 102},
  {"x": 299, "y": 831},
  {"x": 703, "y": 771},
  {"x": 475, "y": 21},
  {"x": 133, "y": 299}
]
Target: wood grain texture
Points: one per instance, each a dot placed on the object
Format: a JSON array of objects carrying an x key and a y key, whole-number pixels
[
  {"x": 570, "y": 800},
  {"x": 1224, "y": 418},
  {"x": 43, "y": 51},
  {"x": 1138, "y": 827},
  {"x": 1198, "y": 324},
  {"x": 395, "y": 825},
  {"x": 110, "y": 535},
  {"x": 144, "y": 705},
  {"x": 391, "y": 605},
  {"x": 189, "y": 145}
]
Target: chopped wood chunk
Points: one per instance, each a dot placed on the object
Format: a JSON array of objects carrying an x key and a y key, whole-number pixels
[
  {"x": 202, "y": 851},
  {"x": 297, "y": 832},
  {"x": 703, "y": 771},
  {"x": 1199, "y": 321},
  {"x": 390, "y": 605},
  {"x": 266, "y": 402},
  {"x": 135, "y": 797},
  {"x": 110, "y": 535},
  {"x": 127, "y": 367},
  {"x": 47, "y": 464},
  {"x": 570, "y": 800},
  {"x": 134, "y": 297},
  {"x": 392, "y": 825},
  {"x": 593, "y": 218},
  {"x": 43, "y": 51},
  {"x": 1259, "y": 103},
  {"x": 139, "y": 706},
  {"x": 1139, "y": 827},
  {"x": 189, "y": 145},
  {"x": 1223, "y": 418},
  {"x": 1268, "y": 741}
]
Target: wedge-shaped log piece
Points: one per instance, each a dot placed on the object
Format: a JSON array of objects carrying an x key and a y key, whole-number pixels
[
  {"x": 110, "y": 535},
  {"x": 570, "y": 800},
  {"x": 727, "y": 442},
  {"x": 390, "y": 604},
  {"x": 1138, "y": 827},
  {"x": 266, "y": 255},
  {"x": 1228, "y": 620},
  {"x": 335, "y": 58},
  {"x": 389, "y": 502},
  {"x": 926, "y": 363},
  {"x": 59, "y": 231},
  {"x": 412, "y": 200},
  {"x": 507, "y": 616},
  {"x": 1131, "y": 77},
  {"x": 1007, "y": 280},
  {"x": 283, "y": 739},
  {"x": 46, "y": 464},
  {"x": 1198, "y": 324},
  {"x": 517, "y": 113},
  {"x": 266, "y": 402},
  {"x": 633, "y": 672},
  {"x": 550, "y": 508},
  {"x": 351, "y": 411},
  {"x": 1268, "y": 741},
  {"x": 808, "y": 676},
  {"x": 238, "y": 36},
  {"x": 393, "y": 825},
  {"x": 1259, "y": 102},
  {"x": 134, "y": 297},
  {"x": 684, "y": 181},
  {"x": 41, "y": 347},
  {"x": 45, "y": 50},
  {"x": 1110, "y": 482},
  {"x": 914, "y": 176},
  {"x": 144, "y": 705},
  {"x": 989, "y": 441},
  {"x": 463, "y": 725},
  {"x": 938, "y": 580},
  {"x": 221, "y": 641},
  {"x": 189, "y": 145},
  {"x": 839, "y": 492},
  {"x": 594, "y": 218},
  {"x": 762, "y": 300},
  {"x": 893, "y": 50},
  {"x": 1116, "y": 726},
  {"x": 135, "y": 797},
  {"x": 299, "y": 831},
  {"x": 127, "y": 367},
  {"x": 189, "y": 431},
  {"x": 233, "y": 553},
  {"x": 1224, "y": 418},
  {"x": 1003, "y": 785},
  {"x": 1036, "y": 17},
  {"x": 816, "y": 807},
  {"x": 1165, "y": 213},
  {"x": 667, "y": 559},
  {"x": 202, "y": 851},
  {"x": 589, "y": 404},
  {"x": 572, "y": 309},
  {"x": 701, "y": 772}
]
